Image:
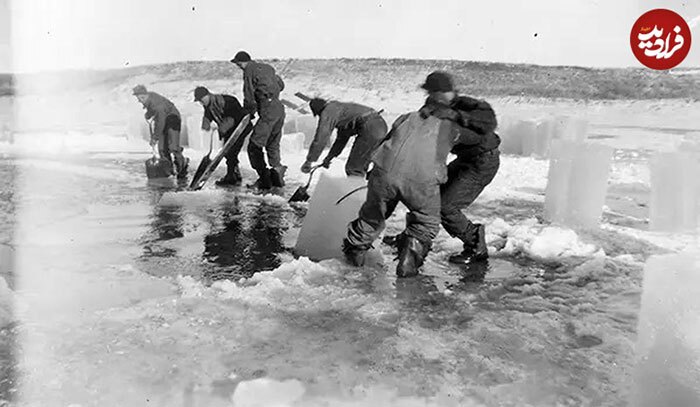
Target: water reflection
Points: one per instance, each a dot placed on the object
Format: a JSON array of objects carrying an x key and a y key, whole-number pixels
[
  {"x": 167, "y": 223},
  {"x": 248, "y": 241}
]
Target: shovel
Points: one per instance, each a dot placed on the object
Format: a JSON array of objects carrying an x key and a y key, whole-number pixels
[
  {"x": 301, "y": 194},
  {"x": 206, "y": 160}
]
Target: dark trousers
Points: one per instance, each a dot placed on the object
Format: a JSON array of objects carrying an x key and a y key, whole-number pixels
[
  {"x": 267, "y": 134},
  {"x": 232, "y": 154},
  {"x": 383, "y": 194},
  {"x": 465, "y": 181},
  {"x": 169, "y": 141},
  {"x": 369, "y": 136}
]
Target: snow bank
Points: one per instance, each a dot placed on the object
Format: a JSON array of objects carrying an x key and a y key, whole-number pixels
[
  {"x": 266, "y": 392},
  {"x": 299, "y": 285},
  {"x": 536, "y": 240}
]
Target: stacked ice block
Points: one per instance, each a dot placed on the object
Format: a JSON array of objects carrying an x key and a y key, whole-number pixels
[
  {"x": 667, "y": 371},
  {"x": 325, "y": 224},
  {"x": 307, "y": 124},
  {"x": 577, "y": 183},
  {"x": 674, "y": 191},
  {"x": 292, "y": 143}
]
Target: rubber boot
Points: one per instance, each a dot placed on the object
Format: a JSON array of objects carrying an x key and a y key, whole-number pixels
[
  {"x": 181, "y": 165},
  {"x": 475, "y": 249},
  {"x": 277, "y": 176},
  {"x": 264, "y": 182},
  {"x": 411, "y": 256},
  {"x": 355, "y": 255},
  {"x": 232, "y": 177},
  {"x": 392, "y": 240}
]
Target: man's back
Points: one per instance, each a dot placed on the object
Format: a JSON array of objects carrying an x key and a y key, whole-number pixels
[
  {"x": 263, "y": 79},
  {"x": 416, "y": 148}
]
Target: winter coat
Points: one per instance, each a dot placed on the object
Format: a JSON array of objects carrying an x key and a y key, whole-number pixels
[
  {"x": 335, "y": 115},
  {"x": 159, "y": 107},
  {"x": 225, "y": 111},
  {"x": 260, "y": 83}
]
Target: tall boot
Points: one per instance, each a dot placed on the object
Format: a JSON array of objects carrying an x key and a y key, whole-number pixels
[
  {"x": 277, "y": 175},
  {"x": 181, "y": 165},
  {"x": 475, "y": 248},
  {"x": 232, "y": 177},
  {"x": 412, "y": 253},
  {"x": 393, "y": 240},
  {"x": 354, "y": 254},
  {"x": 264, "y": 182}
]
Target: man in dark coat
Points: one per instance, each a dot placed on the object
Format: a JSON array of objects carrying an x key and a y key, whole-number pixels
[
  {"x": 227, "y": 113},
  {"x": 261, "y": 90},
  {"x": 167, "y": 124},
  {"x": 409, "y": 167},
  {"x": 475, "y": 166},
  {"x": 350, "y": 119}
]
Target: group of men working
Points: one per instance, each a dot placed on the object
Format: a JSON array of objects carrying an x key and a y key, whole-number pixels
[{"x": 409, "y": 161}]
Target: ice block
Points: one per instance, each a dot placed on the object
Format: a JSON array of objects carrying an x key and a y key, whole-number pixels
[
  {"x": 292, "y": 143},
  {"x": 674, "y": 191},
  {"x": 290, "y": 126},
  {"x": 510, "y": 141},
  {"x": 570, "y": 128},
  {"x": 577, "y": 183},
  {"x": 667, "y": 368},
  {"x": 307, "y": 124},
  {"x": 543, "y": 138},
  {"x": 137, "y": 128},
  {"x": 325, "y": 225},
  {"x": 526, "y": 130}
]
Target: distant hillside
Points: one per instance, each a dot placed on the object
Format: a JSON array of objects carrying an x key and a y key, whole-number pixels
[{"x": 478, "y": 78}]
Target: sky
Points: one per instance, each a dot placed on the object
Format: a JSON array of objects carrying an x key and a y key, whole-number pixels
[{"x": 45, "y": 35}]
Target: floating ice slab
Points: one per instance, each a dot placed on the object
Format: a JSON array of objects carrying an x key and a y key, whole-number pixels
[
  {"x": 674, "y": 191},
  {"x": 577, "y": 183},
  {"x": 667, "y": 372},
  {"x": 325, "y": 224}
]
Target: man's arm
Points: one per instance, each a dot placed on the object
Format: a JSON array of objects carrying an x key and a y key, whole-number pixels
[
  {"x": 249, "y": 103},
  {"x": 341, "y": 140},
  {"x": 477, "y": 115},
  {"x": 325, "y": 127},
  {"x": 206, "y": 120}
]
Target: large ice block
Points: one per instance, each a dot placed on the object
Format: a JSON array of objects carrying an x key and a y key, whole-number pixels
[
  {"x": 292, "y": 143},
  {"x": 543, "y": 138},
  {"x": 510, "y": 141},
  {"x": 325, "y": 225},
  {"x": 137, "y": 128},
  {"x": 290, "y": 125},
  {"x": 577, "y": 183},
  {"x": 674, "y": 191},
  {"x": 526, "y": 131},
  {"x": 667, "y": 369},
  {"x": 307, "y": 124},
  {"x": 572, "y": 128}
]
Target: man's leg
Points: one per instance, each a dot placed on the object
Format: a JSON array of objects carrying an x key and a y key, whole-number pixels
[
  {"x": 422, "y": 225},
  {"x": 173, "y": 126},
  {"x": 258, "y": 141},
  {"x": 368, "y": 139},
  {"x": 277, "y": 170},
  {"x": 233, "y": 172},
  {"x": 463, "y": 186},
  {"x": 379, "y": 205}
]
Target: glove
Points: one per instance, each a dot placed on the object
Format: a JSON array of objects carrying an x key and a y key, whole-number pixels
[
  {"x": 306, "y": 167},
  {"x": 326, "y": 163}
]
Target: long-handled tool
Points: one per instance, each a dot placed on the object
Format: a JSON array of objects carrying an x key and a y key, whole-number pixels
[
  {"x": 206, "y": 160},
  {"x": 198, "y": 183},
  {"x": 301, "y": 194}
]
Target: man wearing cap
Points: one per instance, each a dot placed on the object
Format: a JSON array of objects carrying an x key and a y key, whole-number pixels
[
  {"x": 261, "y": 90},
  {"x": 166, "y": 131},
  {"x": 350, "y": 119},
  {"x": 475, "y": 166},
  {"x": 226, "y": 112}
]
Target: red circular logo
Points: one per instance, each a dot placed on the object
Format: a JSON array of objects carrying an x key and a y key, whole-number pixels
[{"x": 660, "y": 39}]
